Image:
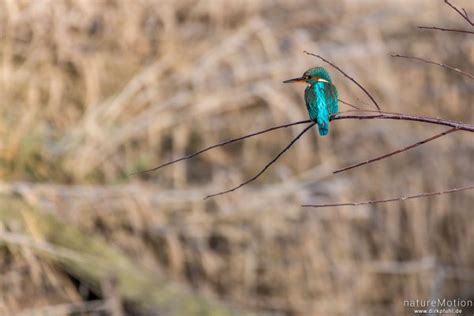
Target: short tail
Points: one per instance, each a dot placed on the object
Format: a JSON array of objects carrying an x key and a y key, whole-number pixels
[{"x": 323, "y": 128}]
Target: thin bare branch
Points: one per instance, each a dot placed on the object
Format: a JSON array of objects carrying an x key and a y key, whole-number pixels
[
  {"x": 435, "y": 63},
  {"x": 403, "y": 117},
  {"x": 444, "y": 29},
  {"x": 222, "y": 144},
  {"x": 421, "y": 195},
  {"x": 267, "y": 165},
  {"x": 347, "y": 76},
  {"x": 347, "y": 103},
  {"x": 464, "y": 15},
  {"x": 339, "y": 116},
  {"x": 396, "y": 151},
  {"x": 467, "y": 16}
]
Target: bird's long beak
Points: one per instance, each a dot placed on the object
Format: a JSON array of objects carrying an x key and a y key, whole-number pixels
[{"x": 294, "y": 80}]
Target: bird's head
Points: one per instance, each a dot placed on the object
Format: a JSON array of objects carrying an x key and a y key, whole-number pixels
[{"x": 312, "y": 76}]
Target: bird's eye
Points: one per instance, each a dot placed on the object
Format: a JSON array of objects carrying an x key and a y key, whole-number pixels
[{"x": 307, "y": 77}]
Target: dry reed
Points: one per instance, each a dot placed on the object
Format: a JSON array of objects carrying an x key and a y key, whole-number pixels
[{"x": 90, "y": 93}]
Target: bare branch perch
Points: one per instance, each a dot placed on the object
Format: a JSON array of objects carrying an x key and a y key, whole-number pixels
[
  {"x": 229, "y": 141},
  {"x": 339, "y": 116},
  {"x": 444, "y": 29},
  {"x": 391, "y": 200},
  {"x": 267, "y": 165},
  {"x": 435, "y": 63},
  {"x": 379, "y": 115},
  {"x": 222, "y": 144},
  {"x": 396, "y": 151},
  {"x": 347, "y": 76}
]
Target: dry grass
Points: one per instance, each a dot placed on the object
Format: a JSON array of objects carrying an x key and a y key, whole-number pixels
[{"x": 91, "y": 91}]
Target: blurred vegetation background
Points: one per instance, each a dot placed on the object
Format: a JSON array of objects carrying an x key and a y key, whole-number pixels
[{"x": 91, "y": 91}]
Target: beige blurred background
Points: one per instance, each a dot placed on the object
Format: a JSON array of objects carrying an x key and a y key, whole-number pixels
[{"x": 91, "y": 91}]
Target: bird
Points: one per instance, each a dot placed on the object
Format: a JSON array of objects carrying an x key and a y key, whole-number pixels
[{"x": 320, "y": 96}]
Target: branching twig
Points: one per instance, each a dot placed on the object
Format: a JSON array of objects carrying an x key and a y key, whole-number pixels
[
  {"x": 229, "y": 141},
  {"x": 435, "y": 63},
  {"x": 339, "y": 116},
  {"x": 267, "y": 165},
  {"x": 467, "y": 16},
  {"x": 393, "y": 199},
  {"x": 444, "y": 29},
  {"x": 464, "y": 15},
  {"x": 351, "y": 105},
  {"x": 347, "y": 76},
  {"x": 396, "y": 151},
  {"x": 379, "y": 115},
  {"x": 222, "y": 144}
]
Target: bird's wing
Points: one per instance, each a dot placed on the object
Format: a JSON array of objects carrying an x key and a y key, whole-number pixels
[
  {"x": 310, "y": 100},
  {"x": 331, "y": 97}
]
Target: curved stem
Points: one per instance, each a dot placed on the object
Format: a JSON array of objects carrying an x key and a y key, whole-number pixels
[
  {"x": 392, "y": 199},
  {"x": 462, "y": 13},
  {"x": 396, "y": 151},
  {"x": 435, "y": 63},
  {"x": 267, "y": 165},
  {"x": 444, "y": 29}
]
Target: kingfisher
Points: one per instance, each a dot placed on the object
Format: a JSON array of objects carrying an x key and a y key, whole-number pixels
[{"x": 320, "y": 96}]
